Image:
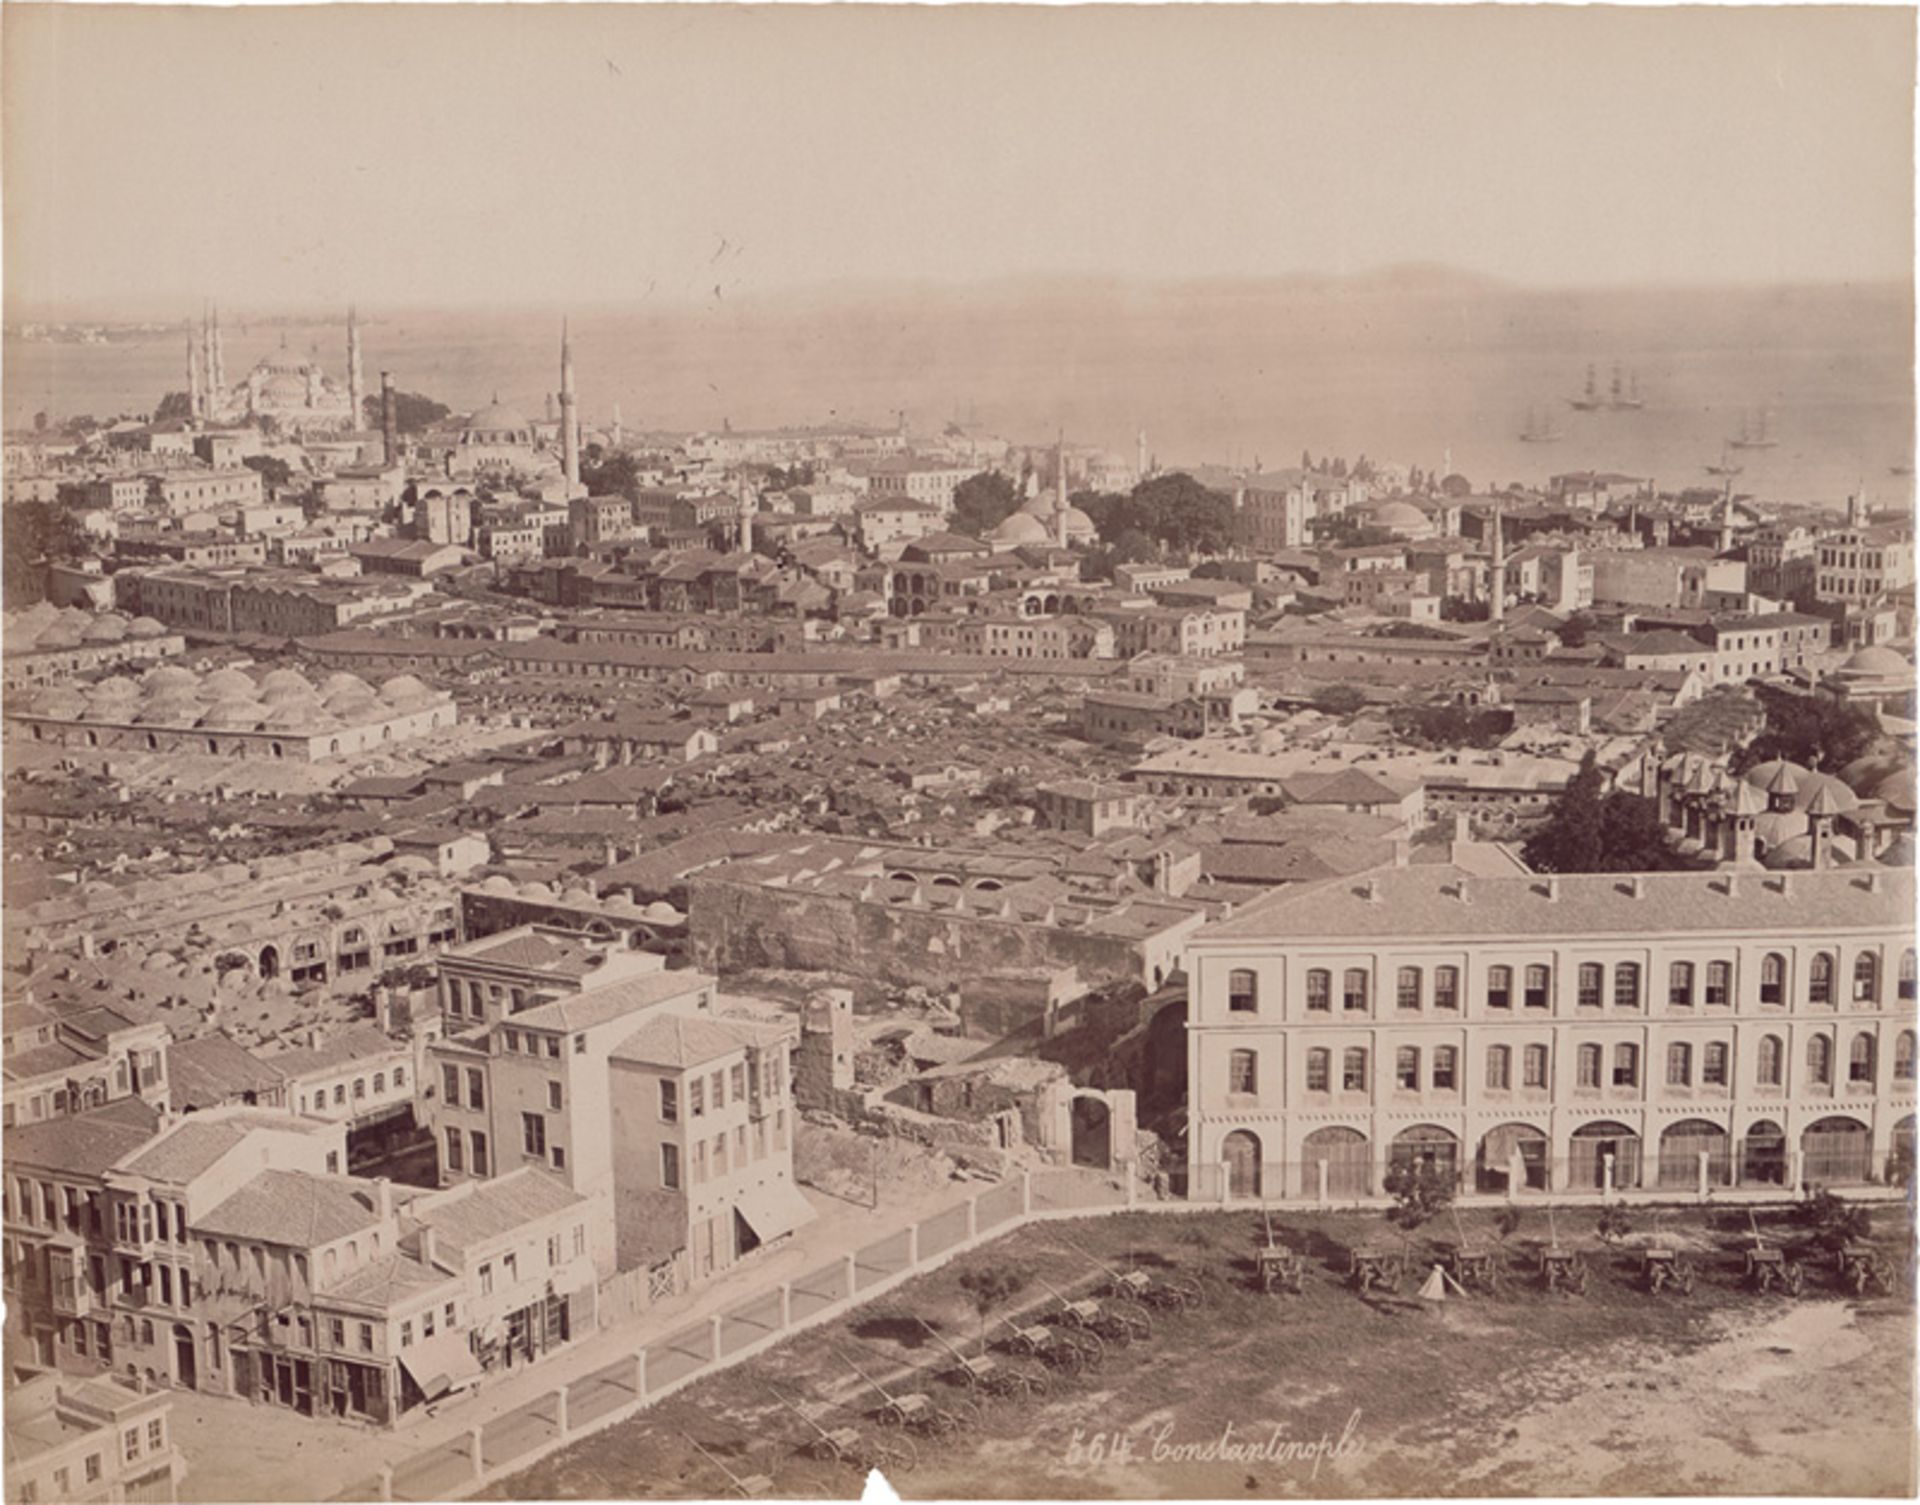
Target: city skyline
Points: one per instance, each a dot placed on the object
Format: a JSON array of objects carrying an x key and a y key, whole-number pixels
[{"x": 730, "y": 152}]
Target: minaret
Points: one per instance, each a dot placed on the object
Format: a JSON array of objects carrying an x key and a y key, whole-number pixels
[
  {"x": 1497, "y": 608},
  {"x": 196, "y": 393},
  {"x": 356, "y": 385},
  {"x": 1140, "y": 455},
  {"x": 613, "y": 429},
  {"x": 1060, "y": 492},
  {"x": 569, "y": 420},
  {"x": 745, "y": 530},
  {"x": 389, "y": 420},
  {"x": 216, "y": 356}
]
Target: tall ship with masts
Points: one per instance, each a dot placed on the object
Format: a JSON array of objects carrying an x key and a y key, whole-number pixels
[
  {"x": 1624, "y": 396},
  {"x": 1756, "y": 431},
  {"x": 1589, "y": 400},
  {"x": 1539, "y": 428}
]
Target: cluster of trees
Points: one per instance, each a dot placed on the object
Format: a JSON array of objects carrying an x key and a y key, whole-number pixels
[
  {"x": 1591, "y": 832},
  {"x": 1810, "y": 730},
  {"x": 1172, "y": 514},
  {"x": 1451, "y": 725},
  {"x": 273, "y": 470},
  {"x": 412, "y": 411},
  {"x": 609, "y": 473},
  {"x": 31, "y": 533},
  {"x": 982, "y": 502},
  {"x": 785, "y": 478},
  {"x": 1337, "y": 530}
]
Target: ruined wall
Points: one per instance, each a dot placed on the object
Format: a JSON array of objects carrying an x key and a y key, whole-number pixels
[{"x": 736, "y": 927}]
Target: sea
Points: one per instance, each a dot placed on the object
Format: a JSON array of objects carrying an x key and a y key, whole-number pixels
[{"x": 1430, "y": 368}]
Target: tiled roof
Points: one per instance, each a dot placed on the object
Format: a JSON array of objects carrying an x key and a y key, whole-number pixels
[
  {"x": 86, "y": 1144},
  {"x": 213, "y": 1069},
  {"x": 357, "y": 1042},
  {"x": 294, "y": 1208},
  {"x": 1430, "y": 902},
  {"x": 388, "y": 1281},
  {"x": 195, "y": 1144},
  {"x": 483, "y": 1210},
  {"x": 599, "y": 1005},
  {"x": 681, "y": 1040}
]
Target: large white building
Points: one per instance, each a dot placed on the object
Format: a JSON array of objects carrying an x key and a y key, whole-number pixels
[{"x": 1660, "y": 1032}]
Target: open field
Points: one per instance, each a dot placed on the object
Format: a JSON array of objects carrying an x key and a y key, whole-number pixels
[{"x": 1619, "y": 1392}]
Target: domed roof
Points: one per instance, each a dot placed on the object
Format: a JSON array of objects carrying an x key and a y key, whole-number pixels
[
  {"x": 58, "y": 635},
  {"x": 352, "y": 703},
  {"x": 286, "y": 694},
  {"x": 1877, "y": 661},
  {"x": 537, "y": 891},
  {"x": 1401, "y": 517},
  {"x": 146, "y": 627},
  {"x": 59, "y": 702},
  {"x": 278, "y": 677},
  {"x": 500, "y": 885},
  {"x": 661, "y": 912},
  {"x": 578, "y": 896},
  {"x": 234, "y": 716},
  {"x": 1778, "y": 776},
  {"x": 495, "y": 417},
  {"x": 109, "y": 627},
  {"x": 169, "y": 677},
  {"x": 402, "y": 687},
  {"x": 229, "y": 684},
  {"x": 169, "y": 710},
  {"x": 1080, "y": 527},
  {"x": 1897, "y": 789},
  {"x": 1040, "y": 506},
  {"x": 341, "y": 680},
  {"x": 298, "y": 716},
  {"x": 114, "y": 687},
  {"x": 1018, "y": 528}
]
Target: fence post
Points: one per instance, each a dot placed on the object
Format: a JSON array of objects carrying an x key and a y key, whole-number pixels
[
  {"x": 1606, "y": 1178},
  {"x": 1320, "y": 1176},
  {"x": 1704, "y": 1182},
  {"x": 1226, "y": 1184},
  {"x": 474, "y": 1455},
  {"x": 560, "y": 1409},
  {"x": 385, "y": 1481},
  {"x": 640, "y": 1375},
  {"x": 973, "y": 1219},
  {"x": 715, "y": 1320},
  {"x": 853, "y": 1273},
  {"x": 1026, "y": 1193},
  {"x": 1133, "y": 1189},
  {"x": 786, "y": 1304},
  {"x": 913, "y": 1245}
]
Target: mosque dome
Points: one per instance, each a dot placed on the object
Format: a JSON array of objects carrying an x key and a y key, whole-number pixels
[
  {"x": 341, "y": 680},
  {"x": 108, "y": 627},
  {"x": 1018, "y": 528},
  {"x": 497, "y": 423},
  {"x": 402, "y": 687},
  {"x": 115, "y": 687},
  {"x": 229, "y": 684},
  {"x": 499, "y": 885},
  {"x": 234, "y": 716},
  {"x": 283, "y": 678},
  {"x": 169, "y": 677},
  {"x": 146, "y": 627},
  {"x": 59, "y": 703},
  {"x": 1080, "y": 528},
  {"x": 662, "y": 913},
  {"x": 1402, "y": 518},
  {"x": 1876, "y": 662},
  {"x": 58, "y": 635}
]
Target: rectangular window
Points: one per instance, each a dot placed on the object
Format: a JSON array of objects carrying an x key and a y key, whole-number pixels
[
  {"x": 696, "y": 1097},
  {"x": 719, "y": 1090},
  {"x": 553, "y": 1047},
  {"x": 1242, "y": 1072},
  {"x": 1243, "y": 992},
  {"x": 1592, "y": 985},
  {"x": 1626, "y": 1066},
  {"x": 1713, "y": 1065},
  {"x": 669, "y": 1102},
  {"x": 1407, "y": 988},
  {"x": 486, "y": 1280},
  {"x": 479, "y": 1142},
  {"x": 510, "y": 1039},
  {"x": 130, "y": 1444},
  {"x": 455, "y": 1158},
  {"x": 1680, "y": 985},
  {"x": 1406, "y": 1068},
  {"x": 1353, "y": 991},
  {"x": 670, "y": 1166},
  {"x": 406, "y": 1334},
  {"x": 1499, "y": 1068},
  {"x": 1499, "y": 987},
  {"x": 1445, "y": 1068},
  {"x": 1719, "y": 984},
  {"x": 1626, "y": 985},
  {"x": 553, "y": 1096},
  {"x": 476, "y": 1088},
  {"x": 1446, "y": 987},
  {"x": 366, "y": 1337},
  {"x": 1319, "y": 990},
  {"x": 1679, "y": 1064},
  {"x": 739, "y": 1081},
  {"x": 1353, "y": 1070},
  {"x": 450, "y": 1085},
  {"x": 1533, "y": 1064},
  {"x": 533, "y": 1134},
  {"x": 1537, "y": 986},
  {"x": 1319, "y": 1069}
]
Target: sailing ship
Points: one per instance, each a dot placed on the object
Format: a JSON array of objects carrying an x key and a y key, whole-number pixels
[
  {"x": 1726, "y": 467},
  {"x": 1756, "y": 432},
  {"x": 1625, "y": 397},
  {"x": 1590, "y": 400},
  {"x": 1539, "y": 428}
]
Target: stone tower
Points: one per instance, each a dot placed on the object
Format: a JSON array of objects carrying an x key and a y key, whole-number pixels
[
  {"x": 569, "y": 417},
  {"x": 356, "y": 383}
]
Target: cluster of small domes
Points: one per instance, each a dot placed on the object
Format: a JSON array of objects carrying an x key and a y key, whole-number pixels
[
  {"x": 44, "y": 627},
  {"x": 232, "y": 700}
]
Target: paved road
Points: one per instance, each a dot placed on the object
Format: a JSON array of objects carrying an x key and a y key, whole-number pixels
[
  {"x": 819, "y": 1289},
  {"x": 750, "y": 1322},
  {"x": 683, "y": 1353},
  {"x": 877, "y": 1261}
]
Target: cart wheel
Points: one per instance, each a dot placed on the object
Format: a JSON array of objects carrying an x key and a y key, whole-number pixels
[
  {"x": 1141, "y": 1328},
  {"x": 1037, "y": 1382},
  {"x": 826, "y": 1450},
  {"x": 966, "y": 1413},
  {"x": 897, "y": 1455},
  {"x": 1577, "y": 1282},
  {"x": 1190, "y": 1295},
  {"x": 1093, "y": 1347},
  {"x": 1793, "y": 1280}
]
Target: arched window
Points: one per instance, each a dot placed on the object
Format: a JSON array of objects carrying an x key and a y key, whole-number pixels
[
  {"x": 1626, "y": 985},
  {"x": 1353, "y": 990},
  {"x": 1626, "y": 1065},
  {"x": 1533, "y": 1066},
  {"x": 1907, "y": 975},
  {"x": 1592, "y": 985},
  {"x": 1719, "y": 984},
  {"x": 1820, "y": 1061},
  {"x": 1243, "y": 991},
  {"x": 1319, "y": 1070},
  {"x": 1903, "y": 1056},
  {"x": 1445, "y": 1068},
  {"x": 1866, "y": 978},
  {"x": 1353, "y": 1069},
  {"x": 1679, "y": 1064},
  {"x": 1770, "y": 1067},
  {"x": 1499, "y": 1068},
  {"x": 1680, "y": 985},
  {"x": 1243, "y": 1072},
  {"x": 1499, "y": 987},
  {"x": 1407, "y": 988},
  {"x": 1588, "y": 1062},
  {"x": 1446, "y": 987},
  {"x": 1320, "y": 989},
  {"x": 1820, "y": 978},
  {"x": 1406, "y": 1068},
  {"x": 1860, "y": 1058},
  {"x": 379, "y": 1081},
  {"x": 1773, "y": 978}
]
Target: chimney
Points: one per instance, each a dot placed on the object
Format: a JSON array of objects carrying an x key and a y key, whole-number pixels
[
  {"x": 389, "y": 419},
  {"x": 1461, "y": 893},
  {"x": 383, "y": 1197},
  {"x": 1553, "y": 890},
  {"x": 1370, "y": 890},
  {"x": 1635, "y": 888},
  {"x": 1402, "y": 851},
  {"x": 426, "y": 1245},
  {"x": 1873, "y": 883}
]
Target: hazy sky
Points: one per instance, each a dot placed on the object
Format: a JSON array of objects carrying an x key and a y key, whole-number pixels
[{"x": 581, "y": 154}]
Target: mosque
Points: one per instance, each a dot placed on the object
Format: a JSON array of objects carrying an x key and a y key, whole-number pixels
[
  {"x": 283, "y": 390},
  {"x": 1041, "y": 523}
]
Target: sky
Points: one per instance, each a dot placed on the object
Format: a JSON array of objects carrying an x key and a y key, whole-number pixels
[{"x": 463, "y": 155}]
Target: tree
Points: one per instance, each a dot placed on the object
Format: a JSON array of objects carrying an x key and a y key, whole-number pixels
[
  {"x": 615, "y": 474},
  {"x": 273, "y": 470},
  {"x": 1835, "y": 1222},
  {"x": 1339, "y": 700},
  {"x": 1420, "y": 1190},
  {"x": 1614, "y": 1223},
  {"x": 1575, "y": 630},
  {"x": 1508, "y": 1223},
  {"x": 1179, "y": 512},
  {"x": 982, "y": 502},
  {"x": 989, "y": 1288},
  {"x": 1459, "y": 609},
  {"x": 413, "y": 412},
  {"x": 32, "y": 534},
  {"x": 1570, "y": 841},
  {"x": 785, "y": 479},
  {"x": 1810, "y": 730},
  {"x": 174, "y": 405}
]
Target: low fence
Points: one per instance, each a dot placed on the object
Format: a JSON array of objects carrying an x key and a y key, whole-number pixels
[{"x": 626, "y": 1386}]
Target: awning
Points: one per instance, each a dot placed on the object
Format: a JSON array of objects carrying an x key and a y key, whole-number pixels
[
  {"x": 774, "y": 1210},
  {"x": 441, "y": 1364}
]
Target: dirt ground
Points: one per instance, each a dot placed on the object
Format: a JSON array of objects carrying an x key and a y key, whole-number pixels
[{"x": 1323, "y": 1393}]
